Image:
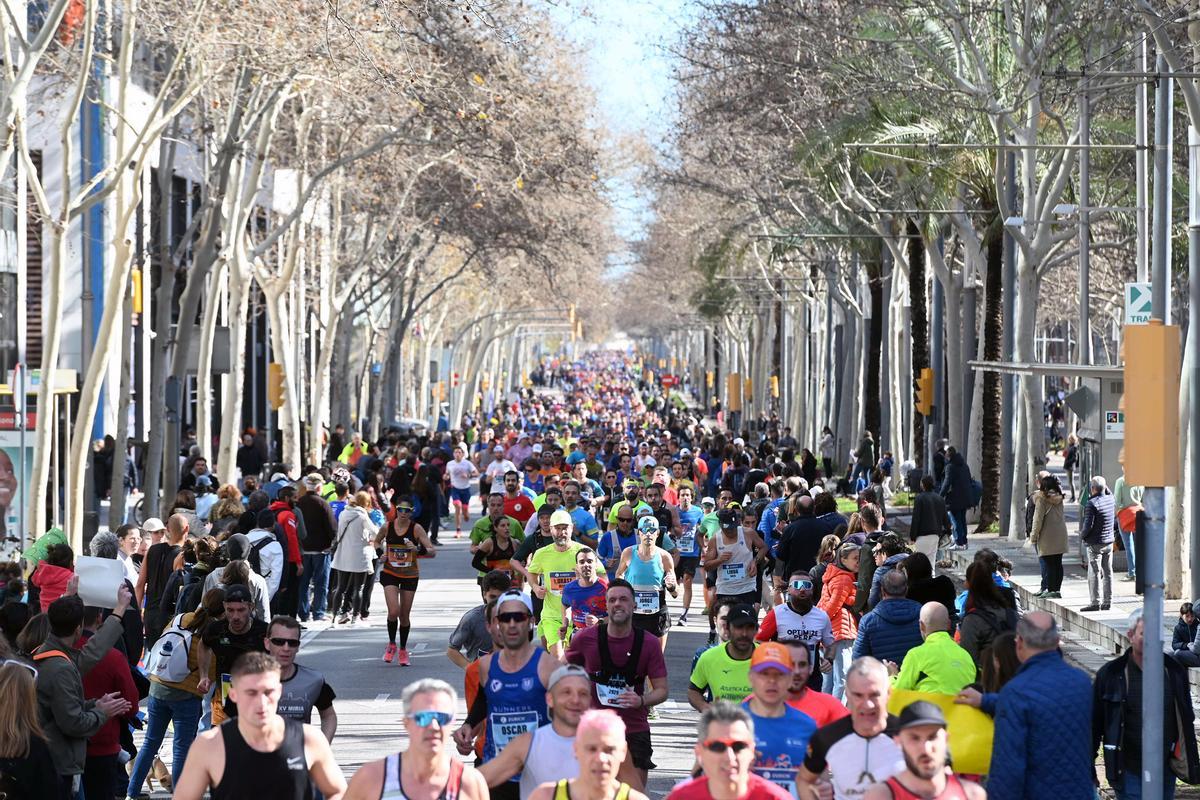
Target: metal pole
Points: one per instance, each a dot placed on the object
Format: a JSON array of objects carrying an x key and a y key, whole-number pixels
[
  {"x": 937, "y": 359},
  {"x": 971, "y": 344},
  {"x": 1085, "y": 327},
  {"x": 1151, "y": 562},
  {"x": 1141, "y": 116},
  {"x": 1161, "y": 256},
  {"x": 1193, "y": 344},
  {"x": 1009, "y": 382}
]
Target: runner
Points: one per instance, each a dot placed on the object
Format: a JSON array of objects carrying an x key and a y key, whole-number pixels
[
  {"x": 461, "y": 472},
  {"x": 725, "y": 751},
  {"x": 555, "y": 565},
  {"x": 583, "y": 599},
  {"x": 517, "y": 504},
  {"x": 632, "y": 498},
  {"x": 496, "y": 552},
  {"x": 798, "y": 620},
  {"x": 710, "y": 524},
  {"x": 621, "y": 658},
  {"x": 600, "y": 748},
  {"x": 427, "y": 769},
  {"x": 301, "y": 689},
  {"x": 922, "y": 739},
  {"x": 688, "y": 546},
  {"x": 726, "y": 669},
  {"x": 530, "y": 545},
  {"x": 586, "y": 529},
  {"x": 514, "y": 681},
  {"x": 858, "y": 750},
  {"x": 472, "y": 638},
  {"x": 732, "y": 552},
  {"x": 404, "y": 541},
  {"x": 546, "y": 754},
  {"x": 226, "y": 639},
  {"x": 485, "y": 526},
  {"x": 260, "y": 754},
  {"x": 649, "y": 569},
  {"x": 666, "y": 514},
  {"x": 497, "y": 469},
  {"x": 781, "y": 732},
  {"x": 617, "y": 539},
  {"x": 823, "y": 708}
]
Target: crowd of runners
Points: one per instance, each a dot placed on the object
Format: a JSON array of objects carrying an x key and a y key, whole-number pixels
[{"x": 837, "y": 663}]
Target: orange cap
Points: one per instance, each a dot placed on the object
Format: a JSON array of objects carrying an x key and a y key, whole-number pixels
[{"x": 770, "y": 655}]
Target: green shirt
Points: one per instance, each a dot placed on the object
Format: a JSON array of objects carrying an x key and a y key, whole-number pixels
[
  {"x": 482, "y": 529},
  {"x": 728, "y": 678},
  {"x": 938, "y": 665},
  {"x": 612, "y": 514}
]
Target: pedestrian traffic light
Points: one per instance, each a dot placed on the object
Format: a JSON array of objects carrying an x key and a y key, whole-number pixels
[
  {"x": 925, "y": 392},
  {"x": 1151, "y": 357},
  {"x": 275, "y": 385}
]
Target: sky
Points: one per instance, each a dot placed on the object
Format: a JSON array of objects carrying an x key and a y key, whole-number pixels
[{"x": 630, "y": 72}]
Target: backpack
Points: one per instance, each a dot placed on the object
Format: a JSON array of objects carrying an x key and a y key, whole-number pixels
[
  {"x": 255, "y": 556},
  {"x": 168, "y": 658},
  {"x": 1009, "y": 624}
]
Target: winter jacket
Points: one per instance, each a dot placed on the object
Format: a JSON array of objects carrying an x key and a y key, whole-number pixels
[
  {"x": 891, "y": 563},
  {"x": 890, "y": 631},
  {"x": 1108, "y": 716},
  {"x": 270, "y": 558},
  {"x": 1099, "y": 527},
  {"x": 111, "y": 674},
  {"x": 1184, "y": 635},
  {"x": 1041, "y": 746},
  {"x": 866, "y": 569},
  {"x": 981, "y": 624},
  {"x": 929, "y": 516},
  {"x": 319, "y": 524},
  {"x": 1049, "y": 532},
  {"x": 51, "y": 582},
  {"x": 956, "y": 484},
  {"x": 936, "y": 665},
  {"x": 67, "y": 718},
  {"x": 837, "y": 600},
  {"x": 355, "y": 534},
  {"x": 286, "y": 519}
]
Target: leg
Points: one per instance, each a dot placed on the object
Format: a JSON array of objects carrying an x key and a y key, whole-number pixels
[
  {"x": 841, "y": 666},
  {"x": 304, "y": 606},
  {"x": 928, "y": 545},
  {"x": 687, "y": 592},
  {"x": 158, "y": 716},
  {"x": 1130, "y": 555},
  {"x": 368, "y": 585},
  {"x": 186, "y": 714},
  {"x": 1093, "y": 568},
  {"x": 355, "y": 593},
  {"x": 1056, "y": 573},
  {"x": 1043, "y": 565},
  {"x": 98, "y": 777},
  {"x": 339, "y": 587},
  {"x": 320, "y": 580},
  {"x": 391, "y": 595},
  {"x": 1106, "y": 574},
  {"x": 405, "y": 612},
  {"x": 960, "y": 527}
]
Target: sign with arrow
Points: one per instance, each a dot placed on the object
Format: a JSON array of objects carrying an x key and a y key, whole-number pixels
[{"x": 1137, "y": 303}]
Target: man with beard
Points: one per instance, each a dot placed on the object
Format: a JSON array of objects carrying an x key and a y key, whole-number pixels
[
  {"x": 797, "y": 620},
  {"x": 823, "y": 708},
  {"x": 633, "y": 499},
  {"x": 725, "y": 669},
  {"x": 922, "y": 739},
  {"x": 517, "y": 504}
]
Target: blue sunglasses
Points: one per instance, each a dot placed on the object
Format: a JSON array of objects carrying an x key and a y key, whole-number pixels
[{"x": 426, "y": 718}]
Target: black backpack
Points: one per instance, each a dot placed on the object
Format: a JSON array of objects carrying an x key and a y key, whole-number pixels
[{"x": 255, "y": 556}]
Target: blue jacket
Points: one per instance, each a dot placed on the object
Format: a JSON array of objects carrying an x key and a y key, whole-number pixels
[
  {"x": 956, "y": 484},
  {"x": 890, "y": 631},
  {"x": 876, "y": 593},
  {"x": 1042, "y": 745},
  {"x": 1099, "y": 528}
]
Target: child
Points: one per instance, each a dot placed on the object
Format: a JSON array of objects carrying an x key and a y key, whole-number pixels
[{"x": 53, "y": 573}]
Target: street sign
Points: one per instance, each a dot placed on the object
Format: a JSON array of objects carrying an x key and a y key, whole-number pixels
[
  {"x": 668, "y": 380},
  {"x": 1082, "y": 401},
  {"x": 1114, "y": 424},
  {"x": 1137, "y": 303}
]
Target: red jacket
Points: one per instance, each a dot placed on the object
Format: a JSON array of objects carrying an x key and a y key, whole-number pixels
[
  {"x": 111, "y": 674},
  {"x": 287, "y": 520},
  {"x": 51, "y": 582},
  {"x": 838, "y": 589}
]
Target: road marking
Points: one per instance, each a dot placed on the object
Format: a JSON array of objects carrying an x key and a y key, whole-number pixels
[{"x": 381, "y": 698}]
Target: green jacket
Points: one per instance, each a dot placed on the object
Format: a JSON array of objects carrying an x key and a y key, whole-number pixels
[
  {"x": 939, "y": 666},
  {"x": 1126, "y": 494}
]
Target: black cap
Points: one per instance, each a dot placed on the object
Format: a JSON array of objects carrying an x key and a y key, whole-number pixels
[
  {"x": 237, "y": 546},
  {"x": 742, "y": 614},
  {"x": 237, "y": 593},
  {"x": 921, "y": 712},
  {"x": 728, "y": 518}
]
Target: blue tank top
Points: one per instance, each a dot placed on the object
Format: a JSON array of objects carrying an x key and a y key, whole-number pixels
[
  {"x": 516, "y": 704},
  {"x": 647, "y": 579},
  {"x": 692, "y": 538}
]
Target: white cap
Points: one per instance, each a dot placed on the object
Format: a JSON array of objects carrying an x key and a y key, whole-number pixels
[
  {"x": 497, "y": 449},
  {"x": 514, "y": 595},
  {"x": 708, "y": 501},
  {"x": 740, "y": 441},
  {"x": 153, "y": 524},
  {"x": 561, "y": 517},
  {"x": 537, "y": 448}
]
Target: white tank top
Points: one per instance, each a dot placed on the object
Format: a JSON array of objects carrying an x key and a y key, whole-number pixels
[
  {"x": 733, "y": 577},
  {"x": 551, "y": 758}
]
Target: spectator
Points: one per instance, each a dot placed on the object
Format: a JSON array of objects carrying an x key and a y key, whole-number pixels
[
  {"x": 837, "y": 600},
  {"x": 1042, "y": 745},
  {"x": 957, "y": 488},
  {"x": 106, "y": 545},
  {"x": 320, "y": 528},
  {"x": 988, "y": 611},
  {"x": 924, "y": 587},
  {"x": 266, "y": 554},
  {"x": 156, "y": 570},
  {"x": 1049, "y": 535},
  {"x": 102, "y": 769},
  {"x": 930, "y": 520},
  {"x": 25, "y": 762},
  {"x": 223, "y": 516},
  {"x": 238, "y": 573},
  {"x": 1098, "y": 531},
  {"x": 937, "y": 665},
  {"x": 1183, "y": 639},
  {"x": 888, "y": 554},
  {"x": 53, "y": 573},
  {"x": 893, "y": 627},
  {"x": 801, "y": 541}
]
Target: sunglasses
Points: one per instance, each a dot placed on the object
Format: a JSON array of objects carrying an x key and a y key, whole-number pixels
[
  {"x": 513, "y": 616},
  {"x": 721, "y": 745},
  {"x": 799, "y": 585},
  {"x": 279, "y": 641},
  {"x": 404, "y": 509},
  {"x": 426, "y": 718},
  {"x": 15, "y": 662},
  {"x": 624, "y": 519}
]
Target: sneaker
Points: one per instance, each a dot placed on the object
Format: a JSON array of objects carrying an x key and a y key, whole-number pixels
[
  {"x": 1105, "y": 606},
  {"x": 1042, "y": 593},
  {"x": 652, "y": 713},
  {"x": 1092, "y": 607},
  {"x": 390, "y": 652},
  {"x": 1129, "y": 578},
  {"x": 353, "y": 621},
  {"x": 683, "y": 618},
  {"x": 402, "y": 659},
  {"x": 344, "y": 619},
  {"x": 1053, "y": 595}
]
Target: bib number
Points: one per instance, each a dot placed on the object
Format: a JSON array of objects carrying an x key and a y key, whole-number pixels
[
  {"x": 506, "y": 727},
  {"x": 732, "y": 571},
  {"x": 400, "y": 556},
  {"x": 560, "y": 579},
  {"x": 607, "y": 693},
  {"x": 687, "y": 540},
  {"x": 783, "y": 778},
  {"x": 645, "y": 600}
]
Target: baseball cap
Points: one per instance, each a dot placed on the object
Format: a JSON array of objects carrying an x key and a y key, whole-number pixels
[
  {"x": 771, "y": 655},
  {"x": 708, "y": 501},
  {"x": 742, "y": 614},
  {"x": 648, "y": 524},
  {"x": 740, "y": 441},
  {"x": 561, "y": 517},
  {"x": 522, "y": 435},
  {"x": 921, "y": 712},
  {"x": 514, "y": 595},
  {"x": 728, "y": 518},
  {"x": 279, "y": 477},
  {"x": 497, "y": 449},
  {"x": 537, "y": 448},
  {"x": 238, "y": 593},
  {"x": 567, "y": 671},
  {"x": 684, "y": 451},
  {"x": 152, "y": 525},
  {"x": 313, "y": 482}
]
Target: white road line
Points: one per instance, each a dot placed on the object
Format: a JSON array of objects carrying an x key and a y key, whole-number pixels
[{"x": 381, "y": 698}]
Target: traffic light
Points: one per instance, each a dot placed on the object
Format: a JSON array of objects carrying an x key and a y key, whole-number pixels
[
  {"x": 925, "y": 392},
  {"x": 775, "y": 386},
  {"x": 1151, "y": 355},
  {"x": 275, "y": 385},
  {"x": 733, "y": 392}
]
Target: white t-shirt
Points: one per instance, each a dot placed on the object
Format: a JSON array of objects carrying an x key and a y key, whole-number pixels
[
  {"x": 496, "y": 470},
  {"x": 460, "y": 473}
]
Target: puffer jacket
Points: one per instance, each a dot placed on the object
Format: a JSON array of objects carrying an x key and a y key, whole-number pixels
[
  {"x": 1049, "y": 532},
  {"x": 51, "y": 581},
  {"x": 981, "y": 624},
  {"x": 1041, "y": 747},
  {"x": 891, "y": 563},
  {"x": 1099, "y": 528},
  {"x": 837, "y": 600},
  {"x": 890, "y": 630}
]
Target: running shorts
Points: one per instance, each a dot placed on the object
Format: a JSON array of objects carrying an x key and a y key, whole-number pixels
[
  {"x": 688, "y": 565},
  {"x": 462, "y": 496},
  {"x": 405, "y": 584}
]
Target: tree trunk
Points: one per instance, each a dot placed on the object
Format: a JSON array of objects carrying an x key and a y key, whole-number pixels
[
  {"x": 919, "y": 316},
  {"x": 1029, "y": 441},
  {"x": 204, "y": 373},
  {"x": 993, "y": 350},
  {"x": 231, "y": 410},
  {"x": 872, "y": 412},
  {"x": 116, "y": 489}
]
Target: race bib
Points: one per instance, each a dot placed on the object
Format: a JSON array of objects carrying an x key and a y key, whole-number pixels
[
  {"x": 645, "y": 600},
  {"x": 783, "y": 778},
  {"x": 687, "y": 540},
  {"x": 607, "y": 693},
  {"x": 732, "y": 571},
  {"x": 400, "y": 556},
  {"x": 508, "y": 726},
  {"x": 560, "y": 579}
]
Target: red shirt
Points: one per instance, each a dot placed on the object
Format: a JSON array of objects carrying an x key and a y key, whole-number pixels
[
  {"x": 519, "y": 508},
  {"x": 823, "y": 708},
  {"x": 756, "y": 789},
  {"x": 287, "y": 520},
  {"x": 585, "y": 651},
  {"x": 111, "y": 674}
]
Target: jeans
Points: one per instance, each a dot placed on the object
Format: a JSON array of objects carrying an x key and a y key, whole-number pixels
[
  {"x": 316, "y": 574},
  {"x": 834, "y": 682},
  {"x": 1130, "y": 555},
  {"x": 1130, "y": 787},
  {"x": 1052, "y": 572},
  {"x": 1100, "y": 573},
  {"x": 184, "y": 717},
  {"x": 959, "y": 520}
]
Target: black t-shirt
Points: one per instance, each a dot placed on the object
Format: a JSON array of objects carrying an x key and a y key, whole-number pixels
[
  {"x": 227, "y": 646},
  {"x": 160, "y": 560}
]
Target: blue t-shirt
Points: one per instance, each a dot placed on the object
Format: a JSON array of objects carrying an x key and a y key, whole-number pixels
[
  {"x": 691, "y": 540},
  {"x": 604, "y": 547},
  {"x": 583, "y": 601},
  {"x": 584, "y": 522},
  {"x": 337, "y": 506},
  {"x": 781, "y": 744}
]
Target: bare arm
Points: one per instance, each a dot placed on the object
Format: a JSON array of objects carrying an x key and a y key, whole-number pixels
[
  {"x": 140, "y": 589},
  {"x": 328, "y": 722},
  {"x": 712, "y": 558},
  {"x": 623, "y": 565},
  {"x": 509, "y": 761},
  {"x": 421, "y": 536},
  {"x": 207, "y": 753},
  {"x": 457, "y": 658},
  {"x": 323, "y": 769},
  {"x": 696, "y": 699},
  {"x": 474, "y": 787},
  {"x": 809, "y": 786},
  {"x": 367, "y": 783}
]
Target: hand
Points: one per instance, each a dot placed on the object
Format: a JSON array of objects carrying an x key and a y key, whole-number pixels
[
  {"x": 124, "y": 596},
  {"x": 824, "y": 790},
  {"x": 299, "y": 569},
  {"x": 728, "y": 554},
  {"x": 628, "y": 699},
  {"x": 826, "y": 666},
  {"x": 113, "y": 705},
  {"x": 752, "y": 569},
  {"x": 72, "y": 585},
  {"x": 892, "y": 667},
  {"x": 204, "y": 685},
  {"x": 969, "y": 697},
  {"x": 463, "y": 737},
  {"x": 673, "y": 590},
  {"x": 562, "y": 632},
  {"x": 1029, "y": 543},
  {"x": 538, "y": 590},
  {"x": 591, "y": 620}
]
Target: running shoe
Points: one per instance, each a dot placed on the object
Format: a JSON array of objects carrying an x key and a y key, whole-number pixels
[
  {"x": 683, "y": 618},
  {"x": 402, "y": 660},
  {"x": 390, "y": 652},
  {"x": 344, "y": 619}
]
